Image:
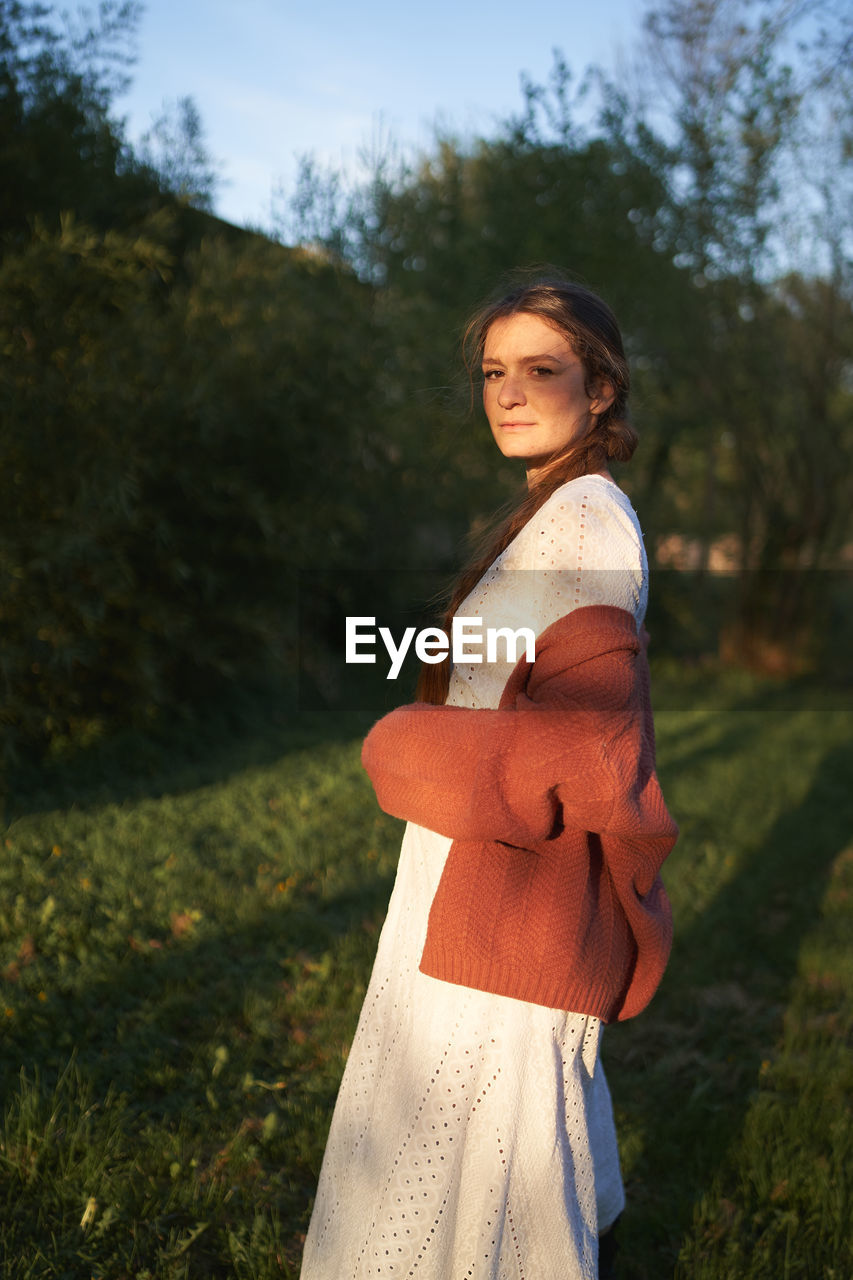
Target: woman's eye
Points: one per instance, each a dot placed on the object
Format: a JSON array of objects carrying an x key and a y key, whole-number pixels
[
  {"x": 544, "y": 368},
  {"x": 491, "y": 374}
]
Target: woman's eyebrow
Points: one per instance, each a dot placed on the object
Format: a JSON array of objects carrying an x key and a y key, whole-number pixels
[{"x": 523, "y": 360}]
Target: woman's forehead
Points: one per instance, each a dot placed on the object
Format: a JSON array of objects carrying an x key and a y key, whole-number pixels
[{"x": 513, "y": 335}]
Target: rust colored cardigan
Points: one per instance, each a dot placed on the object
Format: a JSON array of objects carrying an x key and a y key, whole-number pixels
[{"x": 550, "y": 892}]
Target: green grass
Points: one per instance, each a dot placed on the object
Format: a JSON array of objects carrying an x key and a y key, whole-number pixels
[{"x": 186, "y": 932}]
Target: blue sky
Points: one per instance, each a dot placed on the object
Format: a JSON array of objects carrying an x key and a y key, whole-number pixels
[{"x": 274, "y": 79}]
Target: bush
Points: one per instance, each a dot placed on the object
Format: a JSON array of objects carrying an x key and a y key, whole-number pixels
[{"x": 179, "y": 439}]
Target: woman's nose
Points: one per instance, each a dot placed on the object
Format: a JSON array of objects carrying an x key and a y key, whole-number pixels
[{"x": 511, "y": 392}]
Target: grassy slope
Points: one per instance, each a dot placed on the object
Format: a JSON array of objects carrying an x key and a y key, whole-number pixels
[
  {"x": 185, "y": 939},
  {"x": 733, "y": 1090}
]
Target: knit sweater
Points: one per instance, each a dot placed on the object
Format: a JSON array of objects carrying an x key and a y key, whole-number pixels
[{"x": 551, "y": 890}]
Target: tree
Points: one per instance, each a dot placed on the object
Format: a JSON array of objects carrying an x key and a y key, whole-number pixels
[
  {"x": 62, "y": 149},
  {"x": 176, "y": 448},
  {"x": 768, "y": 254},
  {"x": 436, "y": 235},
  {"x": 78, "y": 312},
  {"x": 175, "y": 152}
]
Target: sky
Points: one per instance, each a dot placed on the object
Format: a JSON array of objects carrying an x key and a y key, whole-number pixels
[{"x": 276, "y": 79}]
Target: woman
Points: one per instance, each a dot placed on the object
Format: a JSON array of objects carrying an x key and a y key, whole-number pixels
[{"x": 473, "y": 1134}]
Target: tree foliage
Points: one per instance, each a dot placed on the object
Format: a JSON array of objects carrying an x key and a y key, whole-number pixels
[
  {"x": 709, "y": 210},
  {"x": 190, "y": 413},
  {"x": 758, "y": 225},
  {"x": 175, "y": 151},
  {"x": 165, "y": 464},
  {"x": 62, "y": 148},
  {"x": 193, "y": 416},
  {"x": 436, "y": 237}
]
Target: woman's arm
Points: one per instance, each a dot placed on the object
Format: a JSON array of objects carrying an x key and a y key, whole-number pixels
[{"x": 567, "y": 747}]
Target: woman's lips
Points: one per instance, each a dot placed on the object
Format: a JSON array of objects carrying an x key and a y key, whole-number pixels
[{"x": 510, "y": 425}]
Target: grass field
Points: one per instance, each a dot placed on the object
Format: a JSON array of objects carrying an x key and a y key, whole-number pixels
[{"x": 187, "y": 929}]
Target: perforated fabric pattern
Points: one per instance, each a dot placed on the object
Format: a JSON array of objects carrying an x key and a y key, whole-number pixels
[{"x": 583, "y": 547}]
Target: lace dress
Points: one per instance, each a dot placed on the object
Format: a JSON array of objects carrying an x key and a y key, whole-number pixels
[{"x": 473, "y": 1133}]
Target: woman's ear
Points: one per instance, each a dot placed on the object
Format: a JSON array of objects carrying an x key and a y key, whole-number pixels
[{"x": 603, "y": 395}]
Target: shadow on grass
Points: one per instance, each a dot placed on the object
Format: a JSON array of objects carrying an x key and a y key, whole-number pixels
[
  {"x": 167, "y": 993},
  {"x": 683, "y": 1074},
  {"x": 245, "y": 728},
  {"x": 222, "y": 1051}
]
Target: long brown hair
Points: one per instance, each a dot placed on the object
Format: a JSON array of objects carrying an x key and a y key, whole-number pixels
[{"x": 591, "y": 328}]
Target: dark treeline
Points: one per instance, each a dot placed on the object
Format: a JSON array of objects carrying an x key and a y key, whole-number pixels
[{"x": 194, "y": 415}]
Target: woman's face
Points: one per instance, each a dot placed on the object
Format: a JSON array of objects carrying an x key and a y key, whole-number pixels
[{"x": 533, "y": 390}]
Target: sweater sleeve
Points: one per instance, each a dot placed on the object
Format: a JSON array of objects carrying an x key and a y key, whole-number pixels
[{"x": 567, "y": 749}]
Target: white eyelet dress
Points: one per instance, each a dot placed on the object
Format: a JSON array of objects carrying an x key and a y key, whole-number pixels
[{"x": 473, "y": 1133}]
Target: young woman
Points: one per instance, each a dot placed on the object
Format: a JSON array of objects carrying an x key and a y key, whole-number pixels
[{"x": 473, "y": 1134}]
